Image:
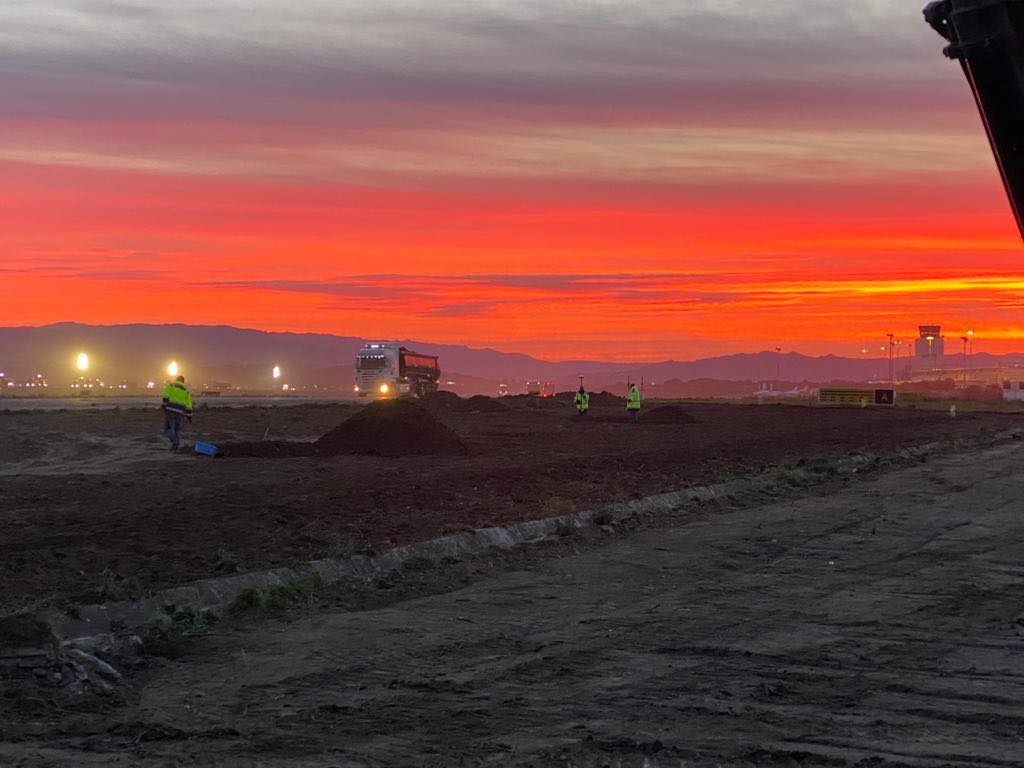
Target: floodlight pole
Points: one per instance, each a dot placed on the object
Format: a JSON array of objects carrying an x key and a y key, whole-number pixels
[
  {"x": 965, "y": 339},
  {"x": 892, "y": 365}
]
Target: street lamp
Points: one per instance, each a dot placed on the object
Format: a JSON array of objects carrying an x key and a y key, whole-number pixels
[
  {"x": 82, "y": 362},
  {"x": 892, "y": 365},
  {"x": 276, "y": 373},
  {"x": 172, "y": 368}
]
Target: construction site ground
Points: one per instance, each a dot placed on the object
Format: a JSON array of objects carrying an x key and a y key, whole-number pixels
[
  {"x": 874, "y": 620},
  {"x": 94, "y": 507}
]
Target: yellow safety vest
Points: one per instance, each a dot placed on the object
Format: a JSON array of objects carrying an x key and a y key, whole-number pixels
[
  {"x": 633, "y": 403},
  {"x": 177, "y": 398}
]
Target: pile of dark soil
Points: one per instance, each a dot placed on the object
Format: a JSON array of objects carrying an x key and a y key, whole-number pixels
[
  {"x": 449, "y": 402},
  {"x": 606, "y": 398},
  {"x": 666, "y": 414},
  {"x": 537, "y": 400},
  {"x": 383, "y": 428},
  {"x": 392, "y": 428},
  {"x": 484, "y": 404},
  {"x": 441, "y": 401}
]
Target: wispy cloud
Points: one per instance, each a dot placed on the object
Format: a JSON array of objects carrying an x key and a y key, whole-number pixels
[
  {"x": 699, "y": 172},
  {"x": 444, "y": 296}
]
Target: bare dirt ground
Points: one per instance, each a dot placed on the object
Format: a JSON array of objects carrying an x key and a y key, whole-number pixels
[
  {"x": 873, "y": 622},
  {"x": 93, "y": 506}
]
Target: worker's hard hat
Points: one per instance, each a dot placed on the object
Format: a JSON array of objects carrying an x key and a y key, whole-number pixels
[{"x": 181, "y": 379}]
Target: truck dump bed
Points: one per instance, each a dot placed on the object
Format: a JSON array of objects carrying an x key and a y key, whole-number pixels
[{"x": 987, "y": 38}]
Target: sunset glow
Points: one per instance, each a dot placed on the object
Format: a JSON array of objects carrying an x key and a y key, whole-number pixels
[{"x": 634, "y": 181}]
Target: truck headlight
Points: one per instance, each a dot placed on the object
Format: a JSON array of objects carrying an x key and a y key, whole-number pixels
[
  {"x": 355, "y": 388},
  {"x": 384, "y": 388}
]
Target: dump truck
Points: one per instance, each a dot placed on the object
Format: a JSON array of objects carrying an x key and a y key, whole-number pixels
[
  {"x": 386, "y": 370},
  {"x": 987, "y": 38}
]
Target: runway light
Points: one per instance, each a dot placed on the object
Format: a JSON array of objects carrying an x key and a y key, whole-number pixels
[
  {"x": 277, "y": 372},
  {"x": 82, "y": 361},
  {"x": 172, "y": 368},
  {"x": 384, "y": 388}
]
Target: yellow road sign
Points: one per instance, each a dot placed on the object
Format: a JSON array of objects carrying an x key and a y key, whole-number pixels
[{"x": 862, "y": 397}]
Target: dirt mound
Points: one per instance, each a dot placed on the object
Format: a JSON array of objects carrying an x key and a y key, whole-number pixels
[
  {"x": 441, "y": 401},
  {"x": 484, "y": 404},
  {"x": 392, "y": 428},
  {"x": 606, "y": 398},
  {"x": 666, "y": 414},
  {"x": 383, "y": 428},
  {"x": 449, "y": 402},
  {"x": 536, "y": 401}
]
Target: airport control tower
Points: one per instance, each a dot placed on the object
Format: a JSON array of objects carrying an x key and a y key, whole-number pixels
[{"x": 929, "y": 348}]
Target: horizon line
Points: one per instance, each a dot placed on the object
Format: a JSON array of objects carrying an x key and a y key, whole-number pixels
[{"x": 615, "y": 363}]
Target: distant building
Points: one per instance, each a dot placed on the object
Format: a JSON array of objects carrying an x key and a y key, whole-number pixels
[
  {"x": 766, "y": 389},
  {"x": 216, "y": 387},
  {"x": 929, "y": 347},
  {"x": 1012, "y": 390}
]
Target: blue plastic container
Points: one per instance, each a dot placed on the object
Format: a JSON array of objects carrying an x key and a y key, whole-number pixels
[{"x": 205, "y": 448}]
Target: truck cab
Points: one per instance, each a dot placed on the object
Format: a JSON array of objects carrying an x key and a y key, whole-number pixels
[{"x": 387, "y": 370}]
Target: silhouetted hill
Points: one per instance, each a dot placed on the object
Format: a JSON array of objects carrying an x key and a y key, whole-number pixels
[{"x": 245, "y": 357}]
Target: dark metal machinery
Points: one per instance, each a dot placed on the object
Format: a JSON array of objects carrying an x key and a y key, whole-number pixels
[{"x": 987, "y": 38}]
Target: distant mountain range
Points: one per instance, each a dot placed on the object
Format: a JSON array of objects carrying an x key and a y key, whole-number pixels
[{"x": 245, "y": 357}]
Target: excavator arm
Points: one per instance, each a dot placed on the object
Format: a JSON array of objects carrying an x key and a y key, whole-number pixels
[{"x": 987, "y": 38}]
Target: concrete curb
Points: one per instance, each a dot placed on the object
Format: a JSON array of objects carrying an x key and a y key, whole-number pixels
[{"x": 114, "y": 627}]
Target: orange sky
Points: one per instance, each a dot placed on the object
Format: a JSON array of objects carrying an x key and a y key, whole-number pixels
[{"x": 637, "y": 181}]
